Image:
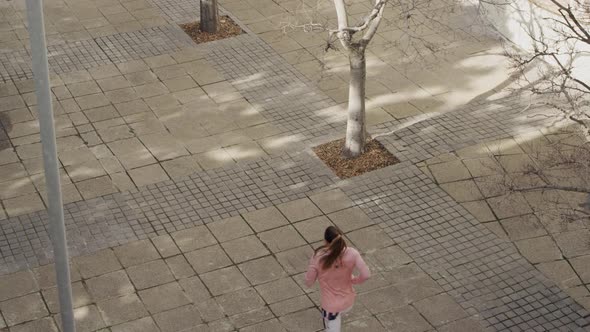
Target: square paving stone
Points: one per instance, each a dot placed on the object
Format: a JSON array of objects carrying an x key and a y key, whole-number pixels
[
  {"x": 313, "y": 229},
  {"x": 269, "y": 325},
  {"x": 96, "y": 187},
  {"x": 350, "y": 219},
  {"x": 245, "y": 248},
  {"x": 365, "y": 324},
  {"x": 582, "y": 266},
  {"x": 181, "y": 167},
  {"x": 510, "y": 205},
  {"x": 462, "y": 191},
  {"x": 150, "y": 274},
  {"x": 193, "y": 238},
  {"x": 180, "y": 267},
  {"x": 300, "y": 209},
  {"x": 165, "y": 245},
  {"x": 404, "y": 319},
  {"x": 195, "y": 289},
  {"x": 145, "y": 175},
  {"x": 560, "y": 272},
  {"x": 332, "y": 200},
  {"x": 281, "y": 239},
  {"x": 295, "y": 260},
  {"x": 291, "y": 305},
  {"x": 17, "y": 284},
  {"x": 101, "y": 262},
  {"x": 122, "y": 309},
  {"x": 480, "y": 210},
  {"x": 86, "y": 319},
  {"x": 80, "y": 297},
  {"x": 45, "y": 276},
  {"x": 145, "y": 324},
  {"x": 306, "y": 320},
  {"x": 391, "y": 257},
  {"x": 279, "y": 290},
  {"x": 46, "y": 325},
  {"x": 265, "y": 219},
  {"x": 251, "y": 317},
  {"x": 262, "y": 270},
  {"x": 574, "y": 243},
  {"x": 224, "y": 280},
  {"x": 230, "y": 228},
  {"x": 22, "y": 309},
  {"x": 467, "y": 324},
  {"x": 110, "y": 285},
  {"x": 540, "y": 249},
  {"x": 179, "y": 319},
  {"x": 440, "y": 310},
  {"x": 240, "y": 301},
  {"x": 449, "y": 171},
  {"x": 370, "y": 238},
  {"x": 208, "y": 259},
  {"x": 136, "y": 253},
  {"x": 164, "y": 297},
  {"x": 382, "y": 300},
  {"x": 523, "y": 227}
]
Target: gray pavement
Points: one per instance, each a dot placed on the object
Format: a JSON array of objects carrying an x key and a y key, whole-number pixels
[{"x": 194, "y": 163}]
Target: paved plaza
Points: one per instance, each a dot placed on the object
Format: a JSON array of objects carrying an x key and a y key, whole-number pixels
[{"x": 193, "y": 199}]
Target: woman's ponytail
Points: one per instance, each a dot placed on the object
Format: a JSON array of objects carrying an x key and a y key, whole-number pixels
[{"x": 335, "y": 247}]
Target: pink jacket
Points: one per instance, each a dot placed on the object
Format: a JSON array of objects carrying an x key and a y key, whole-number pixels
[{"x": 336, "y": 290}]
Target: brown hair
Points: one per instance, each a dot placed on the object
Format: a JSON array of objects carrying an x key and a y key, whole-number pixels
[{"x": 335, "y": 246}]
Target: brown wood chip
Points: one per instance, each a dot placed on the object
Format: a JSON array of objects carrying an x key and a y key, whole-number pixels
[{"x": 227, "y": 28}]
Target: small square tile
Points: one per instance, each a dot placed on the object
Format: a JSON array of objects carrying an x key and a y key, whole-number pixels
[
  {"x": 150, "y": 274},
  {"x": 265, "y": 219},
  {"x": 225, "y": 280},
  {"x": 193, "y": 238},
  {"x": 281, "y": 239},
  {"x": 300, "y": 209},
  {"x": 208, "y": 259},
  {"x": 164, "y": 297},
  {"x": 245, "y": 248}
]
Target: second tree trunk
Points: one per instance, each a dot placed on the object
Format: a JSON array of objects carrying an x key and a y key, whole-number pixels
[
  {"x": 209, "y": 16},
  {"x": 356, "y": 132}
]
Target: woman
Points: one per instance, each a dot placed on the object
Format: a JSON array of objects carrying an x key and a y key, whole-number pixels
[{"x": 333, "y": 265}]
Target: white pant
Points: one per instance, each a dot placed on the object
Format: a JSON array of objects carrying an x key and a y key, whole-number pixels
[{"x": 333, "y": 321}]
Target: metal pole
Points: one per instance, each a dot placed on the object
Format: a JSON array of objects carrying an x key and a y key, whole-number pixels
[{"x": 54, "y": 200}]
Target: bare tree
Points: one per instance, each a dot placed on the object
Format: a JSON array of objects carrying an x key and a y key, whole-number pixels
[
  {"x": 559, "y": 54},
  {"x": 356, "y": 131},
  {"x": 209, "y": 16}
]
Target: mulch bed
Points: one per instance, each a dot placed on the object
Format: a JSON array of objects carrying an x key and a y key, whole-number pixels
[
  {"x": 376, "y": 156},
  {"x": 227, "y": 28}
]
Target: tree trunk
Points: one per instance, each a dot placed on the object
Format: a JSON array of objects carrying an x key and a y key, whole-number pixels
[
  {"x": 209, "y": 16},
  {"x": 356, "y": 132}
]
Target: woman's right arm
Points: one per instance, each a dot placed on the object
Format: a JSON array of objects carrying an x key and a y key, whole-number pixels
[
  {"x": 363, "y": 269},
  {"x": 312, "y": 272}
]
